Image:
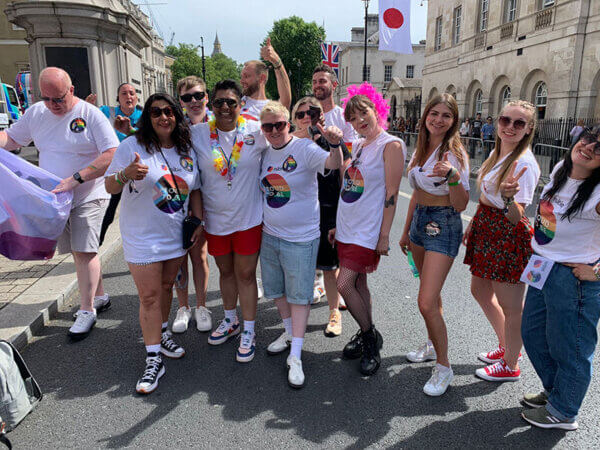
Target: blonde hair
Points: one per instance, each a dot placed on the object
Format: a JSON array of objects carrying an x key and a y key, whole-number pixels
[
  {"x": 303, "y": 101},
  {"x": 276, "y": 109},
  {"x": 189, "y": 82},
  {"x": 525, "y": 143},
  {"x": 451, "y": 142}
]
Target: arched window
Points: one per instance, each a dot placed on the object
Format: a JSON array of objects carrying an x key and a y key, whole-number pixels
[
  {"x": 541, "y": 99},
  {"x": 505, "y": 97},
  {"x": 478, "y": 103}
]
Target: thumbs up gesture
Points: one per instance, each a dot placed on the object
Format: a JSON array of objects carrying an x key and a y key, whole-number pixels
[
  {"x": 442, "y": 168},
  {"x": 510, "y": 186},
  {"x": 268, "y": 53},
  {"x": 136, "y": 170}
]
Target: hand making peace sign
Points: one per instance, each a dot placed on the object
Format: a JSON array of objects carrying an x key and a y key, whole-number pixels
[{"x": 510, "y": 186}]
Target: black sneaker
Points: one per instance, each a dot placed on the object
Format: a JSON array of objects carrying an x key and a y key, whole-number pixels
[
  {"x": 169, "y": 348},
  {"x": 354, "y": 348},
  {"x": 371, "y": 360},
  {"x": 154, "y": 370}
]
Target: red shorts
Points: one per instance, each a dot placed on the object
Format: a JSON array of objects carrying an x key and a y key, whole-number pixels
[
  {"x": 357, "y": 258},
  {"x": 246, "y": 242}
]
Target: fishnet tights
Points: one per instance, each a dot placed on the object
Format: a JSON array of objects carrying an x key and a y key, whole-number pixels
[{"x": 353, "y": 287}]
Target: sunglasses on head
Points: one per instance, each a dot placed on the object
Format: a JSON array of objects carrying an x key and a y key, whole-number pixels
[
  {"x": 219, "y": 102},
  {"x": 268, "y": 127},
  {"x": 310, "y": 113},
  {"x": 156, "y": 112},
  {"x": 518, "y": 124},
  {"x": 587, "y": 137},
  {"x": 186, "y": 98},
  {"x": 56, "y": 100}
]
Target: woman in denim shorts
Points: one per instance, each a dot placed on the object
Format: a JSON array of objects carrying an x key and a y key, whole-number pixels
[
  {"x": 290, "y": 241},
  {"x": 439, "y": 175}
]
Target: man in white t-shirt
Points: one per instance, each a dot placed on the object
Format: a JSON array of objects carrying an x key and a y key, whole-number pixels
[
  {"x": 254, "y": 79},
  {"x": 76, "y": 142}
]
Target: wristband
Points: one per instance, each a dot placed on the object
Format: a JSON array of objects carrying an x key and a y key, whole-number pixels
[
  {"x": 334, "y": 145},
  {"x": 117, "y": 179},
  {"x": 596, "y": 269},
  {"x": 507, "y": 202},
  {"x": 275, "y": 67},
  {"x": 456, "y": 183}
]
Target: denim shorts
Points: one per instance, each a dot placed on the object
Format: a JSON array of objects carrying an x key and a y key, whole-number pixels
[
  {"x": 437, "y": 229},
  {"x": 288, "y": 268}
]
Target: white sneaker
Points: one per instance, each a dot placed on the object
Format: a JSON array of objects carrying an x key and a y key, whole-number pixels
[
  {"x": 203, "y": 320},
  {"x": 84, "y": 323},
  {"x": 425, "y": 352},
  {"x": 441, "y": 377},
  {"x": 259, "y": 287},
  {"x": 182, "y": 319},
  {"x": 281, "y": 344},
  {"x": 154, "y": 370},
  {"x": 101, "y": 303},
  {"x": 318, "y": 293},
  {"x": 295, "y": 373}
]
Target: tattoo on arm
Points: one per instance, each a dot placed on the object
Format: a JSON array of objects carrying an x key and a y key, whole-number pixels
[{"x": 390, "y": 201}]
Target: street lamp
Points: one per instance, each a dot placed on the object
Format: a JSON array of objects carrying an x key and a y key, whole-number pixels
[
  {"x": 366, "y": 2},
  {"x": 203, "y": 68}
]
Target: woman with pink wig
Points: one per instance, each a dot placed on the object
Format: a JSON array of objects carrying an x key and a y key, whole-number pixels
[{"x": 365, "y": 214}]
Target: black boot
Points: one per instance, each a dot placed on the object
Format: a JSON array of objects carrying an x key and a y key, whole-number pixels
[
  {"x": 371, "y": 360},
  {"x": 354, "y": 348}
]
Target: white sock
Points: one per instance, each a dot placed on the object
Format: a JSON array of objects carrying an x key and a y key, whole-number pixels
[
  {"x": 429, "y": 343},
  {"x": 249, "y": 325},
  {"x": 443, "y": 368},
  {"x": 103, "y": 297},
  {"x": 153, "y": 348},
  {"x": 164, "y": 327},
  {"x": 230, "y": 314},
  {"x": 297, "y": 347},
  {"x": 287, "y": 323}
]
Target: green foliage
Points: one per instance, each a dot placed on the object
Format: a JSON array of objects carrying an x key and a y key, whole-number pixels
[
  {"x": 220, "y": 67},
  {"x": 298, "y": 44}
]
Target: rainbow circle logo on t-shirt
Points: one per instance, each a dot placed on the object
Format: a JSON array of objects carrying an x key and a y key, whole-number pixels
[
  {"x": 534, "y": 277},
  {"x": 187, "y": 163},
  {"x": 276, "y": 190},
  {"x": 354, "y": 185},
  {"x": 290, "y": 164},
  {"x": 77, "y": 125},
  {"x": 165, "y": 195},
  {"x": 545, "y": 223}
]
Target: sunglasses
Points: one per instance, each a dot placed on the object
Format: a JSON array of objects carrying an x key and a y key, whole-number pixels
[
  {"x": 56, "y": 100},
  {"x": 518, "y": 124},
  {"x": 219, "y": 102},
  {"x": 588, "y": 138},
  {"x": 156, "y": 112},
  {"x": 310, "y": 113},
  {"x": 186, "y": 98},
  {"x": 268, "y": 127}
]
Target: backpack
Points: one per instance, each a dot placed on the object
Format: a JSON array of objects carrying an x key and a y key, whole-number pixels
[{"x": 19, "y": 392}]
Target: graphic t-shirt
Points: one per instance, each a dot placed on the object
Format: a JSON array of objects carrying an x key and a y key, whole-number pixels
[
  {"x": 68, "y": 143},
  {"x": 335, "y": 117},
  {"x": 111, "y": 112},
  {"x": 151, "y": 209},
  {"x": 239, "y": 208},
  {"x": 558, "y": 239},
  {"x": 251, "y": 108},
  {"x": 289, "y": 183}
]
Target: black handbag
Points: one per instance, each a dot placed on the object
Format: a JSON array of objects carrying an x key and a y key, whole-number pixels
[{"x": 190, "y": 223}]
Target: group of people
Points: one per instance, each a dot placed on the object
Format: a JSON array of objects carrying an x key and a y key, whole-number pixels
[{"x": 323, "y": 195}]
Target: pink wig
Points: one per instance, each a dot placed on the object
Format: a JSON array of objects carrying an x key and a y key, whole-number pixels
[{"x": 382, "y": 107}]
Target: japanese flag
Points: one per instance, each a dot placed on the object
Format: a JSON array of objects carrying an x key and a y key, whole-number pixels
[{"x": 394, "y": 26}]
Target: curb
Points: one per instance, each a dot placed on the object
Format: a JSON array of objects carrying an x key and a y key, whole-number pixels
[{"x": 27, "y": 314}]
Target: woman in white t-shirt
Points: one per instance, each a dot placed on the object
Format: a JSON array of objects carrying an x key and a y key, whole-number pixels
[
  {"x": 439, "y": 175},
  {"x": 560, "y": 320},
  {"x": 498, "y": 239},
  {"x": 290, "y": 242},
  {"x": 157, "y": 173}
]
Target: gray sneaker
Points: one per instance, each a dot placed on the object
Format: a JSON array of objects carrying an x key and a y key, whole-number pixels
[
  {"x": 540, "y": 417},
  {"x": 535, "y": 400},
  {"x": 425, "y": 352}
]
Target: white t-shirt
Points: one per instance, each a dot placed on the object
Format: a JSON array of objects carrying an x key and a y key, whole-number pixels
[
  {"x": 239, "y": 208},
  {"x": 558, "y": 239},
  {"x": 335, "y": 117},
  {"x": 68, "y": 143},
  {"x": 527, "y": 183},
  {"x": 252, "y": 108},
  {"x": 291, "y": 193},
  {"x": 151, "y": 211},
  {"x": 362, "y": 198},
  {"x": 418, "y": 176}
]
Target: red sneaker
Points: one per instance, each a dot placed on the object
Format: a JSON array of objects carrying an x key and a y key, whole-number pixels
[
  {"x": 498, "y": 372},
  {"x": 494, "y": 356}
]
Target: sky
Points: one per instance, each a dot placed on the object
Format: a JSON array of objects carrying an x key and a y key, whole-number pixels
[{"x": 242, "y": 25}]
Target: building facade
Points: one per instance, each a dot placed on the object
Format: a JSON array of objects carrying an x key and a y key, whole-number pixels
[
  {"x": 14, "y": 50},
  {"x": 487, "y": 52}
]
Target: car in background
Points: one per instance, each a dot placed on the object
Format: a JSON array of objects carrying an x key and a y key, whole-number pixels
[{"x": 10, "y": 107}]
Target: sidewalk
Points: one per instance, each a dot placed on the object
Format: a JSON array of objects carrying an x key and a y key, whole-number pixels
[{"x": 32, "y": 291}]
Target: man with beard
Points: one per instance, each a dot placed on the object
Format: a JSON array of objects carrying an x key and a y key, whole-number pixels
[{"x": 254, "y": 79}]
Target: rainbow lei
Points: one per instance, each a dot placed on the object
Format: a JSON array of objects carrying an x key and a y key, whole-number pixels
[{"x": 223, "y": 165}]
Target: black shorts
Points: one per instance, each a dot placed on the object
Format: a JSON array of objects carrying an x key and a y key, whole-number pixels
[{"x": 327, "y": 258}]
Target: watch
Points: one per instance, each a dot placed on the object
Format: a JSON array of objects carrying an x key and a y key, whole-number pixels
[{"x": 78, "y": 177}]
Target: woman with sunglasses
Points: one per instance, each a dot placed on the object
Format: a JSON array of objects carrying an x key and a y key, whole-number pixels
[
  {"x": 229, "y": 152},
  {"x": 365, "y": 214},
  {"x": 157, "y": 172},
  {"x": 439, "y": 175},
  {"x": 498, "y": 239},
  {"x": 193, "y": 98},
  {"x": 291, "y": 234},
  {"x": 560, "y": 319}
]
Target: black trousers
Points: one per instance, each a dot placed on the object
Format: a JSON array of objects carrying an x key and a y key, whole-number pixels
[{"x": 109, "y": 216}]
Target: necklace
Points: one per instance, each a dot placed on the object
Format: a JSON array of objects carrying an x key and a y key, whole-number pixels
[{"x": 225, "y": 166}]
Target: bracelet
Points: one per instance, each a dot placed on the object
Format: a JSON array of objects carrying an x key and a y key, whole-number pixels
[
  {"x": 334, "y": 145},
  {"x": 117, "y": 179},
  {"x": 507, "y": 202},
  {"x": 124, "y": 179},
  {"x": 456, "y": 183},
  {"x": 275, "y": 67},
  {"x": 596, "y": 269}
]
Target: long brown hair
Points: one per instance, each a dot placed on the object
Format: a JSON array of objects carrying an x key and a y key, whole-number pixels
[
  {"x": 525, "y": 143},
  {"x": 451, "y": 141}
]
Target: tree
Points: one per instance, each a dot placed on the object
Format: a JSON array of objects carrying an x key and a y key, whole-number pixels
[
  {"x": 298, "y": 43},
  {"x": 220, "y": 67}
]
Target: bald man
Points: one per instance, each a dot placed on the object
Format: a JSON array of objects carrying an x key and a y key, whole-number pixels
[{"x": 76, "y": 142}]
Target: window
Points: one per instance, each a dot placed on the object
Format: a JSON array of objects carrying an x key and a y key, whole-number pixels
[
  {"x": 506, "y": 94},
  {"x": 438, "y": 34},
  {"x": 367, "y": 73},
  {"x": 541, "y": 99},
  {"x": 457, "y": 23},
  {"x": 410, "y": 71},
  {"x": 484, "y": 6},
  {"x": 511, "y": 10},
  {"x": 546, "y": 3},
  {"x": 478, "y": 102},
  {"x": 387, "y": 73}
]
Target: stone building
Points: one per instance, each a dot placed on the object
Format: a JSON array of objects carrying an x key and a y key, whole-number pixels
[
  {"x": 14, "y": 52},
  {"x": 487, "y": 52},
  {"x": 398, "y": 76},
  {"x": 101, "y": 43}
]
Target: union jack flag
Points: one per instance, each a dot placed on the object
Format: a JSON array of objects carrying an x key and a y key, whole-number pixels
[{"x": 331, "y": 56}]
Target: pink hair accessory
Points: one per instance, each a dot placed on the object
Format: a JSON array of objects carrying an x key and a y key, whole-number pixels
[{"x": 368, "y": 90}]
